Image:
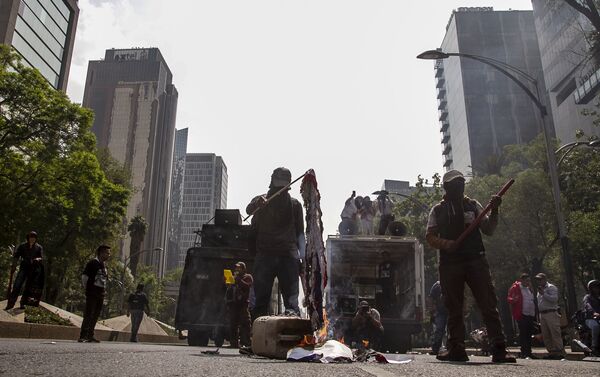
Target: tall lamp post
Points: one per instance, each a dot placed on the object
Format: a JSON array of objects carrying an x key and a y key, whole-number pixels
[
  {"x": 512, "y": 73},
  {"x": 126, "y": 263}
]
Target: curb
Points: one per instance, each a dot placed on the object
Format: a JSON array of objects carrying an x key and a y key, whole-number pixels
[{"x": 39, "y": 331}]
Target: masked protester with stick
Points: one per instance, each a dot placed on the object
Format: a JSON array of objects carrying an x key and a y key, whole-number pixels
[
  {"x": 278, "y": 228},
  {"x": 465, "y": 262},
  {"x": 30, "y": 254}
]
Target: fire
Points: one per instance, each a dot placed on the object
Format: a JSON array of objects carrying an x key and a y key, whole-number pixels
[
  {"x": 322, "y": 332},
  {"x": 342, "y": 340},
  {"x": 365, "y": 343},
  {"x": 308, "y": 340}
]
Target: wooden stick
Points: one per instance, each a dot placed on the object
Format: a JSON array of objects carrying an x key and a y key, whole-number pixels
[
  {"x": 275, "y": 195},
  {"x": 483, "y": 213}
]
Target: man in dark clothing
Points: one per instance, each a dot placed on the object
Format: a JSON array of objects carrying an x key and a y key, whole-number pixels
[
  {"x": 465, "y": 263},
  {"x": 386, "y": 281},
  {"x": 366, "y": 326},
  {"x": 238, "y": 295},
  {"x": 591, "y": 307},
  {"x": 439, "y": 315},
  {"x": 384, "y": 206},
  {"x": 94, "y": 280},
  {"x": 30, "y": 253},
  {"x": 136, "y": 304},
  {"x": 280, "y": 244}
]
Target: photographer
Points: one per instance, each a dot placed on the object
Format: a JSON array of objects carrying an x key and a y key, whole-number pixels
[
  {"x": 366, "y": 325},
  {"x": 591, "y": 307}
]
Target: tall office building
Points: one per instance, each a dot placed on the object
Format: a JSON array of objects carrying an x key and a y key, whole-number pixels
[
  {"x": 43, "y": 33},
  {"x": 135, "y": 103},
  {"x": 205, "y": 189},
  {"x": 176, "y": 206},
  {"x": 480, "y": 109},
  {"x": 572, "y": 75}
]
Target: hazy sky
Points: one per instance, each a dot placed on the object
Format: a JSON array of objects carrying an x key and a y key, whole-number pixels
[{"x": 322, "y": 84}]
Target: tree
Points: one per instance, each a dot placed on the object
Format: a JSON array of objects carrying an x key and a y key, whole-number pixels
[
  {"x": 137, "y": 231},
  {"x": 51, "y": 179},
  {"x": 589, "y": 8}
]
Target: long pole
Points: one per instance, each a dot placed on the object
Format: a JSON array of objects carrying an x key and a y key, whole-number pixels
[{"x": 275, "y": 195}]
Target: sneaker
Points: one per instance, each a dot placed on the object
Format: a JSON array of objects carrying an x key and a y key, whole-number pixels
[
  {"x": 503, "y": 357},
  {"x": 459, "y": 356},
  {"x": 246, "y": 350},
  {"x": 433, "y": 353},
  {"x": 82, "y": 340}
]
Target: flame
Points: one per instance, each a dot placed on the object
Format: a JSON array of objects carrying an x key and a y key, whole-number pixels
[
  {"x": 323, "y": 331},
  {"x": 308, "y": 340},
  {"x": 365, "y": 343},
  {"x": 342, "y": 340}
]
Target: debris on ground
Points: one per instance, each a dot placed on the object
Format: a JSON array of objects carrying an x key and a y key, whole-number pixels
[{"x": 333, "y": 351}]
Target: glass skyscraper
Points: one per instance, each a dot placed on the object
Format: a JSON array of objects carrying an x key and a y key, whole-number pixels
[{"x": 42, "y": 32}]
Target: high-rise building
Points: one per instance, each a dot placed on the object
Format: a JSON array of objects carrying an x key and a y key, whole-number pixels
[
  {"x": 43, "y": 33},
  {"x": 572, "y": 74},
  {"x": 135, "y": 103},
  {"x": 480, "y": 109},
  {"x": 176, "y": 206},
  {"x": 205, "y": 189}
]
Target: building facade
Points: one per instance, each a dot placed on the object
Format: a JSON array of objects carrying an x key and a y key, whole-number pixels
[
  {"x": 480, "y": 109},
  {"x": 176, "y": 205},
  {"x": 43, "y": 33},
  {"x": 135, "y": 103},
  {"x": 571, "y": 71},
  {"x": 205, "y": 189}
]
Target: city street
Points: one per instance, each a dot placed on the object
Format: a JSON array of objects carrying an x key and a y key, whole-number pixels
[{"x": 67, "y": 358}]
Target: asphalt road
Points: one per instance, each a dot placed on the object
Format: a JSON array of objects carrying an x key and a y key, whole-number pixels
[{"x": 65, "y": 358}]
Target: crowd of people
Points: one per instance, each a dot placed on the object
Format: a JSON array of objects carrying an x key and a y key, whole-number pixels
[{"x": 359, "y": 212}]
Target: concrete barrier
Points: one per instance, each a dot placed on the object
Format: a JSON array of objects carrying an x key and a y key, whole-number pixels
[{"x": 39, "y": 331}]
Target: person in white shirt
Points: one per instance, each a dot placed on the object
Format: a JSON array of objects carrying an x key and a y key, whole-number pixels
[{"x": 547, "y": 296}]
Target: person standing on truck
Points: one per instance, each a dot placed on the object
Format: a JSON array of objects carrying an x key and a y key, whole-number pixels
[
  {"x": 367, "y": 213},
  {"x": 137, "y": 303},
  {"x": 366, "y": 326},
  {"x": 238, "y": 297},
  {"x": 349, "y": 214},
  {"x": 439, "y": 316},
  {"x": 384, "y": 206},
  {"x": 465, "y": 263},
  {"x": 278, "y": 227}
]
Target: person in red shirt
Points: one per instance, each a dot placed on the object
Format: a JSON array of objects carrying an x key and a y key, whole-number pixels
[{"x": 522, "y": 302}]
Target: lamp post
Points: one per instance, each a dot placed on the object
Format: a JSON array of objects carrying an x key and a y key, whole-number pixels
[
  {"x": 512, "y": 73},
  {"x": 126, "y": 263},
  {"x": 575, "y": 144}
]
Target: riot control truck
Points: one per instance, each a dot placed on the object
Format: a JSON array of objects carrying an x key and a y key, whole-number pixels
[
  {"x": 201, "y": 308},
  {"x": 388, "y": 273}
]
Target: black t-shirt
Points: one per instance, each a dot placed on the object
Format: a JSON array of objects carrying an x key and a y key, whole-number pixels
[
  {"x": 97, "y": 277},
  {"x": 28, "y": 254},
  {"x": 137, "y": 301}
]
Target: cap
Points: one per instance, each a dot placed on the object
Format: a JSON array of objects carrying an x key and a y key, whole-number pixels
[
  {"x": 241, "y": 264},
  {"x": 452, "y": 174},
  {"x": 32, "y": 234},
  {"x": 593, "y": 283},
  {"x": 281, "y": 177},
  {"x": 363, "y": 304},
  {"x": 541, "y": 275}
]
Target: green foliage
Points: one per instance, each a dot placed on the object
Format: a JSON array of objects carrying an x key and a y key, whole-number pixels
[
  {"x": 52, "y": 178},
  {"x": 44, "y": 317},
  {"x": 137, "y": 231}
]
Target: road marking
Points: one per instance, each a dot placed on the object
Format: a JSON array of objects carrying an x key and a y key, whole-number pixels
[{"x": 375, "y": 371}]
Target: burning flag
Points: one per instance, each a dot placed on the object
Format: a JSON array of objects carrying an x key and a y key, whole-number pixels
[{"x": 314, "y": 275}]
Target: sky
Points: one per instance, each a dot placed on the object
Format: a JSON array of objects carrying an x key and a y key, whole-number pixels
[{"x": 329, "y": 85}]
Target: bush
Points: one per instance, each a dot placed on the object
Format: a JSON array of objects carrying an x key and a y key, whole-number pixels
[{"x": 44, "y": 317}]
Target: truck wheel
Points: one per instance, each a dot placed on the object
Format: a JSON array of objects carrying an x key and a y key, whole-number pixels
[{"x": 197, "y": 338}]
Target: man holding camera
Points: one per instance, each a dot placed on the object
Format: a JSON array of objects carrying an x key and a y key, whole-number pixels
[{"x": 366, "y": 325}]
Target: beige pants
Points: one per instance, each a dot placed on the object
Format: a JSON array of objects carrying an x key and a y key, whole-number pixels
[{"x": 550, "y": 324}]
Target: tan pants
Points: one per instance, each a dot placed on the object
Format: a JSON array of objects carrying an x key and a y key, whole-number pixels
[{"x": 550, "y": 325}]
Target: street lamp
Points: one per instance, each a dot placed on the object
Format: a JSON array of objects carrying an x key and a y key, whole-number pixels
[
  {"x": 510, "y": 72},
  {"x": 575, "y": 144},
  {"x": 126, "y": 263}
]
